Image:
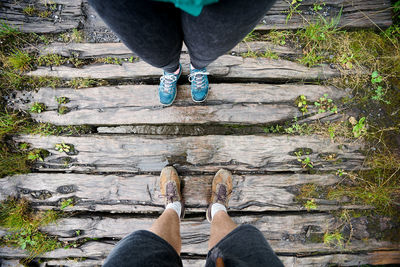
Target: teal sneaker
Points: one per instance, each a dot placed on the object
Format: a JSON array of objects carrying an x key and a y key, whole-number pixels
[
  {"x": 199, "y": 87},
  {"x": 167, "y": 89}
]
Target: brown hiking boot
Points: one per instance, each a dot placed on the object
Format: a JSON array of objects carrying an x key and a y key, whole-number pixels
[
  {"x": 221, "y": 190},
  {"x": 170, "y": 187}
]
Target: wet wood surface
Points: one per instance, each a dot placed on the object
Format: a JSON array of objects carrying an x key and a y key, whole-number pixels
[
  {"x": 248, "y": 153},
  {"x": 226, "y": 103}
]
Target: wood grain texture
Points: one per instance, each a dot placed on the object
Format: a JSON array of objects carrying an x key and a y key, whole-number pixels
[
  {"x": 248, "y": 153},
  {"x": 387, "y": 257},
  {"x": 92, "y": 50},
  {"x": 141, "y": 193},
  {"x": 351, "y": 13},
  {"x": 227, "y": 103},
  {"x": 67, "y": 16},
  {"x": 292, "y": 234},
  {"x": 226, "y": 67}
]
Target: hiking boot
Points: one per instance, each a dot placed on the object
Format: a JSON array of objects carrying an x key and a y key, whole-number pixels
[
  {"x": 199, "y": 84},
  {"x": 221, "y": 190},
  {"x": 167, "y": 89},
  {"x": 170, "y": 187}
]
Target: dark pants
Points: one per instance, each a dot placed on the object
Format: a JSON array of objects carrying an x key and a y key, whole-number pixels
[
  {"x": 243, "y": 247},
  {"x": 155, "y": 30}
]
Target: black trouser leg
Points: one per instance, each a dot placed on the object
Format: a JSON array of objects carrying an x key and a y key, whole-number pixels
[
  {"x": 151, "y": 29},
  {"x": 219, "y": 27}
]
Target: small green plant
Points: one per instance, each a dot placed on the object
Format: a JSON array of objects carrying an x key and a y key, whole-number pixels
[
  {"x": 318, "y": 6},
  {"x": 63, "y": 110},
  {"x": 62, "y": 147},
  {"x": 270, "y": 54},
  {"x": 38, "y": 107},
  {"x": 23, "y": 146},
  {"x": 310, "y": 205},
  {"x": 278, "y": 37},
  {"x": 249, "y": 37},
  {"x": 111, "y": 60},
  {"x": 305, "y": 162},
  {"x": 335, "y": 239},
  {"x": 376, "y": 80},
  {"x": 44, "y": 14},
  {"x": 346, "y": 60},
  {"x": 19, "y": 60},
  {"x": 293, "y": 8},
  {"x": 359, "y": 128},
  {"x": 37, "y": 154},
  {"x": 66, "y": 203},
  {"x": 296, "y": 128},
  {"x": 340, "y": 172},
  {"x": 83, "y": 83},
  {"x": 133, "y": 59},
  {"x": 62, "y": 100},
  {"x": 50, "y": 60},
  {"x": 75, "y": 35},
  {"x": 29, "y": 10},
  {"x": 325, "y": 104},
  {"x": 301, "y": 103}
]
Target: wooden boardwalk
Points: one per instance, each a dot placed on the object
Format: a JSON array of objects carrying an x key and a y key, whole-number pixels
[{"x": 112, "y": 174}]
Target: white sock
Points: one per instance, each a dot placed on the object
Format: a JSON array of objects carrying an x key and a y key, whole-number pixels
[
  {"x": 215, "y": 208},
  {"x": 176, "y": 206}
]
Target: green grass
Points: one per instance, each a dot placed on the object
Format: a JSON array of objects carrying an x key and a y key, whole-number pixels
[
  {"x": 19, "y": 60},
  {"x": 23, "y": 224}
]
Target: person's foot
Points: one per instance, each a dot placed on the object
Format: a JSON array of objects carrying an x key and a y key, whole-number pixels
[
  {"x": 167, "y": 89},
  {"x": 221, "y": 192},
  {"x": 199, "y": 84},
  {"x": 170, "y": 187}
]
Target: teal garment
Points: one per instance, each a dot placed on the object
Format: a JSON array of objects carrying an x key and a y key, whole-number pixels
[{"x": 193, "y": 7}]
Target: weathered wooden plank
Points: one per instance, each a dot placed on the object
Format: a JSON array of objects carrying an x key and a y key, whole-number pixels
[
  {"x": 140, "y": 193},
  {"x": 352, "y": 13},
  {"x": 385, "y": 257},
  {"x": 225, "y": 67},
  {"x": 92, "y": 50},
  {"x": 68, "y": 15},
  {"x": 246, "y": 153},
  {"x": 10, "y": 263},
  {"x": 115, "y": 105},
  {"x": 294, "y": 234}
]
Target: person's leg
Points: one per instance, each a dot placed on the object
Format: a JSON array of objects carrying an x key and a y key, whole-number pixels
[
  {"x": 221, "y": 226},
  {"x": 151, "y": 29},
  {"x": 229, "y": 244},
  {"x": 167, "y": 227},
  {"x": 221, "y": 223},
  {"x": 219, "y": 27},
  {"x": 161, "y": 245}
]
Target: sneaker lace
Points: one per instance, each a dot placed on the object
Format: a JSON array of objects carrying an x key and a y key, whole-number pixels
[
  {"x": 221, "y": 193},
  {"x": 170, "y": 193},
  {"x": 198, "y": 78},
  {"x": 168, "y": 81}
]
